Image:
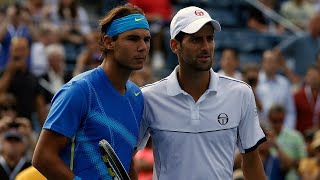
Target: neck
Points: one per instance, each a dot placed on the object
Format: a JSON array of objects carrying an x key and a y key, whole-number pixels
[
  {"x": 270, "y": 76},
  {"x": 230, "y": 73},
  {"x": 11, "y": 160},
  {"x": 194, "y": 83},
  {"x": 116, "y": 74}
]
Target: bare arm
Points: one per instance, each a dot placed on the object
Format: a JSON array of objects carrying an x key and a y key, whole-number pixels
[
  {"x": 285, "y": 161},
  {"x": 46, "y": 156},
  {"x": 252, "y": 166},
  {"x": 7, "y": 75},
  {"x": 133, "y": 173},
  {"x": 41, "y": 108}
]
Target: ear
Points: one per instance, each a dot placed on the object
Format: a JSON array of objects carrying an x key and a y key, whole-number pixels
[
  {"x": 108, "y": 43},
  {"x": 175, "y": 46}
]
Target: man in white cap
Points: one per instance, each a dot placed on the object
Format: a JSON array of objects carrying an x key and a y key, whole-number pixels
[{"x": 196, "y": 117}]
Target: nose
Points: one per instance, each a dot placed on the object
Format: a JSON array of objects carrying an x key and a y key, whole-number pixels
[
  {"x": 143, "y": 45},
  {"x": 207, "y": 45}
]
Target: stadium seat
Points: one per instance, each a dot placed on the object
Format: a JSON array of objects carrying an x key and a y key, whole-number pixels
[{"x": 225, "y": 17}]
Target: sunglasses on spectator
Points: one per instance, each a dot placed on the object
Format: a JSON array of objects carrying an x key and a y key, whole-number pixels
[
  {"x": 276, "y": 121},
  {"x": 7, "y": 107}
]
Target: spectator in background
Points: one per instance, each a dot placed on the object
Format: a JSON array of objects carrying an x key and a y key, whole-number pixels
[
  {"x": 47, "y": 34},
  {"x": 110, "y": 4},
  {"x": 159, "y": 14},
  {"x": 298, "y": 12},
  {"x": 250, "y": 75},
  {"x": 260, "y": 22},
  {"x": 14, "y": 148},
  {"x": 39, "y": 11},
  {"x": 307, "y": 100},
  {"x": 90, "y": 57},
  {"x": 318, "y": 58},
  {"x": 143, "y": 76},
  {"x": 229, "y": 63},
  {"x": 289, "y": 145},
  {"x": 56, "y": 76},
  {"x": 308, "y": 138},
  {"x": 144, "y": 161},
  {"x": 272, "y": 164},
  {"x": 301, "y": 51},
  {"x": 316, "y": 4},
  {"x": 19, "y": 81},
  {"x": 8, "y": 105},
  {"x": 274, "y": 88},
  {"x": 8, "y": 115},
  {"x": 309, "y": 168},
  {"x": 16, "y": 24},
  {"x": 73, "y": 24}
]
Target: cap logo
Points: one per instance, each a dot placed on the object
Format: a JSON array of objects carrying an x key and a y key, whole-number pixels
[{"x": 198, "y": 13}]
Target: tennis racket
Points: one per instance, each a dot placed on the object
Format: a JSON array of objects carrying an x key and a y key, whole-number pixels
[{"x": 111, "y": 160}]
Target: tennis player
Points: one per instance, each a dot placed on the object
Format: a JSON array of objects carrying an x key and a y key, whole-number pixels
[
  {"x": 98, "y": 104},
  {"x": 196, "y": 117}
]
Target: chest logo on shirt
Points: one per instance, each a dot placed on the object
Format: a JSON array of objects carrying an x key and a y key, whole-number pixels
[
  {"x": 137, "y": 93},
  {"x": 223, "y": 119}
]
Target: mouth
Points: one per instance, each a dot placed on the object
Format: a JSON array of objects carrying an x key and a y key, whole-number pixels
[
  {"x": 140, "y": 58},
  {"x": 204, "y": 58}
]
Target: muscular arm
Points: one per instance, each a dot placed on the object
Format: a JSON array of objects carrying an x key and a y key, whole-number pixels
[
  {"x": 252, "y": 166},
  {"x": 5, "y": 81},
  {"x": 46, "y": 156},
  {"x": 8, "y": 73}
]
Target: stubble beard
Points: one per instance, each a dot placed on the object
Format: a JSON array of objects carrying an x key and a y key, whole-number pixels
[{"x": 194, "y": 63}]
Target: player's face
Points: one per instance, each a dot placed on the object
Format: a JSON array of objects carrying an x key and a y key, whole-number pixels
[
  {"x": 196, "y": 50},
  {"x": 131, "y": 48}
]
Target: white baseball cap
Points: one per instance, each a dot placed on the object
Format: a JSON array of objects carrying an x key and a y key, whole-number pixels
[{"x": 190, "y": 20}]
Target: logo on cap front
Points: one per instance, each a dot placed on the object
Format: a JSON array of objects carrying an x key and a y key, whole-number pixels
[{"x": 198, "y": 13}]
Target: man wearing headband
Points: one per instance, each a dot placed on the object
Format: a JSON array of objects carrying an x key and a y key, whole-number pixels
[
  {"x": 196, "y": 117},
  {"x": 98, "y": 104}
]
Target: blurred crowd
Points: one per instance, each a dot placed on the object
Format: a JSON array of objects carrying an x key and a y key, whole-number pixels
[{"x": 44, "y": 43}]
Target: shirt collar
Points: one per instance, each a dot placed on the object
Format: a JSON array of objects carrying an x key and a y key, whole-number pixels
[{"x": 173, "y": 87}]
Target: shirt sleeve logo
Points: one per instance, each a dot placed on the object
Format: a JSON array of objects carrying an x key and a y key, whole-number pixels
[{"x": 137, "y": 93}]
